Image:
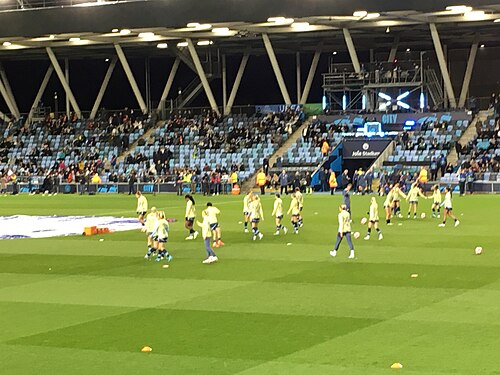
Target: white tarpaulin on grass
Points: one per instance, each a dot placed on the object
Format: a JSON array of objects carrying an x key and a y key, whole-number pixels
[{"x": 24, "y": 226}]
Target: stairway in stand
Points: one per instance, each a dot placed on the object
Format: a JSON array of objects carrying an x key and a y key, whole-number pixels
[{"x": 250, "y": 182}]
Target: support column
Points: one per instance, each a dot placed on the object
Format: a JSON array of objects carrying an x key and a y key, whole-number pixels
[
  {"x": 468, "y": 72},
  {"x": 352, "y": 51},
  {"x": 40, "y": 92},
  {"x": 169, "y": 83},
  {"x": 310, "y": 76},
  {"x": 104, "y": 86},
  {"x": 299, "y": 78},
  {"x": 276, "y": 68},
  {"x": 131, "y": 79},
  {"x": 394, "y": 49},
  {"x": 65, "y": 84},
  {"x": 202, "y": 76},
  {"x": 442, "y": 65},
  {"x": 236, "y": 84},
  {"x": 6, "y": 83},
  {"x": 6, "y": 97},
  {"x": 224, "y": 84},
  {"x": 66, "y": 75}
]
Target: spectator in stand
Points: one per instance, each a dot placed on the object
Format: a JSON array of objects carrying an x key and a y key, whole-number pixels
[{"x": 434, "y": 169}]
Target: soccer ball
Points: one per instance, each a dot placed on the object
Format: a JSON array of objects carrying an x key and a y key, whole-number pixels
[
  {"x": 356, "y": 235},
  {"x": 478, "y": 250},
  {"x": 422, "y": 215},
  {"x": 364, "y": 221}
]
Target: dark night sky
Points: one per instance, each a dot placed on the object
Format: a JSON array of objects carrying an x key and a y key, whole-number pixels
[{"x": 258, "y": 85}]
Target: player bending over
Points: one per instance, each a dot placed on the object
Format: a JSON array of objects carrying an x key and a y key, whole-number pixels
[
  {"x": 278, "y": 214},
  {"x": 344, "y": 231},
  {"x": 373, "y": 220}
]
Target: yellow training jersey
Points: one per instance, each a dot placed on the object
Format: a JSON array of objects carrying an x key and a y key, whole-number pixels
[
  {"x": 162, "y": 229},
  {"x": 142, "y": 204},
  {"x": 150, "y": 222},
  {"x": 245, "y": 203},
  {"x": 374, "y": 212},
  {"x": 278, "y": 207},
  {"x": 436, "y": 196},
  {"x": 344, "y": 222},
  {"x": 211, "y": 213},
  {"x": 206, "y": 232},
  {"x": 256, "y": 209},
  {"x": 294, "y": 207},
  {"x": 396, "y": 193},
  {"x": 390, "y": 198},
  {"x": 414, "y": 193},
  {"x": 300, "y": 198},
  {"x": 190, "y": 209}
]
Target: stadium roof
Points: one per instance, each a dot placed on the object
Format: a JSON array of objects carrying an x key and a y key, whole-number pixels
[{"x": 232, "y": 25}]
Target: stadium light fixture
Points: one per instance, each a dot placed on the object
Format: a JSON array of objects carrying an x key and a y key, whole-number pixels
[
  {"x": 204, "y": 43},
  {"x": 125, "y": 32},
  {"x": 106, "y": 60},
  {"x": 199, "y": 26},
  {"x": 422, "y": 100},
  {"x": 384, "y": 96},
  {"x": 360, "y": 13},
  {"x": 6, "y": 44},
  {"x": 371, "y": 16},
  {"x": 182, "y": 44},
  {"x": 280, "y": 21},
  {"x": 147, "y": 35},
  {"x": 497, "y": 20},
  {"x": 388, "y": 30},
  {"x": 301, "y": 26},
  {"x": 481, "y": 46},
  {"x": 403, "y": 95},
  {"x": 363, "y": 102},
  {"x": 334, "y": 53},
  {"x": 403, "y": 105},
  {"x": 75, "y": 39},
  {"x": 162, "y": 45},
  {"x": 344, "y": 102},
  {"x": 408, "y": 50},
  {"x": 458, "y": 9},
  {"x": 475, "y": 15}
]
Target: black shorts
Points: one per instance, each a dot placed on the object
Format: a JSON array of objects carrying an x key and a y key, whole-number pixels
[
  {"x": 279, "y": 217},
  {"x": 255, "y": 221},
  {"x": 246, "y": 213},
  {"x": 141, "y": 213},
  {"x": 373, "y": 221},
  {"x": 413, "y": 202},
  {"x": 190, "y": 219},
  {"x": 162, "y": 240},
  {"x": 448, "y": 209},
  {"x": 300, "y": 209},
  {"x": 214, "y": 226}
]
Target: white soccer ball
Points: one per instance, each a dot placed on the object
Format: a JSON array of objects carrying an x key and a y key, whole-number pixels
[
  {"x": 364, "y": 221},
  {"x": 356, "y": 235},
  {"x": 478, "y": 250},
  {"x": 422, "y": 215}
]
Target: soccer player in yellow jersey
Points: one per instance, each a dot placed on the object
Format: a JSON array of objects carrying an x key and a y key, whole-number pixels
[
  {"x": 246, "y": 210},
  {"x": 149, "y": 227},
  {"x": 211, "y": 212},
  {"x": 373, "y": 219},
  {"x": 295, "y": 211},
  {"x": 396, "y": 194},
  {"x": 206, "y": 233},
  {"x": 256, "y": 215},
  {"x": 142, "y": 206},
  {"x": 300, "y": 199},
  {"x": 448, "y": 208},
  {"x": 190, "y": 217},
  {"x": 160, "y": 235},
  {"x": 278, "y": 214},
  {"x": 412, "y": 197},
  {"x": 388, "y": 205},
  {"x": 344, "y": 218},
  {"x": 436, "y": 201}
]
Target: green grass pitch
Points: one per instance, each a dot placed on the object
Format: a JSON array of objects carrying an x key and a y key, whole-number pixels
[{"x": 75, "y": 305}]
